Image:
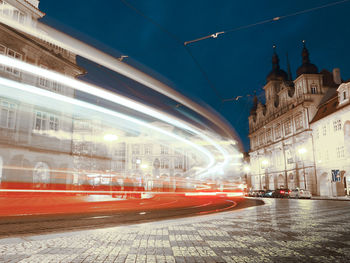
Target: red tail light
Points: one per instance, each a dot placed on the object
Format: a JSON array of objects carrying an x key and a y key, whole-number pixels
[{"x": 282, "y": 192}]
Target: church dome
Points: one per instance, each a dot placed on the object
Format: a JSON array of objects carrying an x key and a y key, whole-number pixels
[
  {"x": 276, "y": 73},
  {"x": 307, "y": 67}
]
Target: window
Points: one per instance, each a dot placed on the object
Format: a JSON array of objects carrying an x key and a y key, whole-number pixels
[
  {"x": 46, "y": 121},
  {"x": 164, "y": 150},
  {"x": 324, "y": 130},
  {"x": 340, "y": 152},
  {"x": 164, "y": 164},
  {"x": 261, "y": 139},
  {"x": 317, "y": 133},
  {"x": 43, "y": 81},
  {"x": 8, "y": 114},
  {"x": 120, "y": 149},
  {"x": 300, "y": 92},
  {"x": 299, "y": 121},
  {"x": 120, "y": 165},
  {"x": 344, "y": 95},
  {"x": 18, "y": 16},
  {"x": 136, "y": 162},
  {"x": 313, "y": 88},
  {"x": 278, "y": 131},
  {"x": 287, "y": 127},
  {"x": 136, "y": 149},
  {"x": 268, "y": 135},
  {"x": 13, "y": 54},
  {"x": 148, "y": 149},
  {"x": 178, "y": 163},
  {"x": 82, "y": 125},
  {"x": 337, "y": 125}
]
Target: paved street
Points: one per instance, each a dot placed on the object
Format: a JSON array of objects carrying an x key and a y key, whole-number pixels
[{"x": 281, "y": 231}]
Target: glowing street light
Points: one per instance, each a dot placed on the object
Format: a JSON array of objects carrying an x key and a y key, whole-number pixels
[
  {"x": 110, "y": 137},
  {"x": 302, "y": 151},
  {"x": 246, "y": 168},
  {"x": 265, "y": 162}
]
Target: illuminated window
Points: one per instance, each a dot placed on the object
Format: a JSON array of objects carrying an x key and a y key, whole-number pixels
[
  {"x": 8, "y": 114},
  {"x": 278, "y": 131},
  {"x": 46, "y": 121},
  {"x": 136, "y": 163},
  {"x": 148, "y": 149},
  {"x": 164, "y": 150},
  {"x": 178, "y": 163},
  {"x": 136, "y": 149},
  {"x": 164, "y": 164},
  {"x": 287, "y": 127},
  {"x": 337, "y": 125}
]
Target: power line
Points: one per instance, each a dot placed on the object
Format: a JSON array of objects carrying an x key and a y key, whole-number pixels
[
  {"x": 178, "y": 41},
  {"x": 275, "y": 19}
]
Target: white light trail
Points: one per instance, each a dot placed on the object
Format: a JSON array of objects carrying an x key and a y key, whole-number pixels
[{"x": 115, "y": 98}]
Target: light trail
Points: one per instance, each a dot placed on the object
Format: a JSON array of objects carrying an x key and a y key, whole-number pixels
[
  {"x": 75, "y": 46},
  {"x": 113, "y": 97}
]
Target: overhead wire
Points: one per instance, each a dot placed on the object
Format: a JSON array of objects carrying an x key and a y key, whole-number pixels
[
  {"x": 180, "y": 42},
  {"x": 274, "y": 19}
]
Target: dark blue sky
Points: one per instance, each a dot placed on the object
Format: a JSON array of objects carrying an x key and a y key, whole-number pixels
[{"x": 236, "y": 63}]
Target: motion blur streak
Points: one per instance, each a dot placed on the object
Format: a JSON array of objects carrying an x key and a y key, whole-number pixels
[
  {"x": 67, "y": 146},
  {"x": 58, "y": 38}
]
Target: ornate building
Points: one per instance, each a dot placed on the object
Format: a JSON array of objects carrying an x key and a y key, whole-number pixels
[
  {"x": 35, "y": 138},
  {"x": 281, "y": 138}
]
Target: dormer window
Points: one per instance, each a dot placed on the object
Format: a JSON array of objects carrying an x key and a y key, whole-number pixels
[{"x": 344, "y": 95}]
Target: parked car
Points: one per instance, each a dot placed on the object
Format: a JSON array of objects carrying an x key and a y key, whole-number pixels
[
  {"x": 261, "y": 193},
  {"x": 300, "y": 193},
  {"x": 281, "y": 193},
  {"x": 268, "y": 193}
]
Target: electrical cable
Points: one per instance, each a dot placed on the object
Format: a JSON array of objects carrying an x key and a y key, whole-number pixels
[
  {"x": 277, "y": 18},
  {"x": 180, "y": 42}
]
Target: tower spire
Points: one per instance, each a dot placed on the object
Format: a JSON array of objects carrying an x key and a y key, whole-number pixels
[{"x": 288, "y": 69}]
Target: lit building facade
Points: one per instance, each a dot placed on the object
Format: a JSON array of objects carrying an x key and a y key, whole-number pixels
[
  {"x": 35, "y": 139},
  {"x": 331, "y": 133},
  {"x": 281, "y": 138}
]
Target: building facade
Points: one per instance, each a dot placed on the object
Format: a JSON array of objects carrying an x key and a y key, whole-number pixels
[
  {"x": 331, "y": 133},
  {"x": 32, "y": 146},
  {"x": 281, "y": 138}
]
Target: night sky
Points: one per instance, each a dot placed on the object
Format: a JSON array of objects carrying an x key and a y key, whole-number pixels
[{"x": 235, "y": 63}]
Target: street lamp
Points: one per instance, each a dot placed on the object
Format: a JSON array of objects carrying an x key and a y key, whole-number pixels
[{"x": 302, "y": 151}]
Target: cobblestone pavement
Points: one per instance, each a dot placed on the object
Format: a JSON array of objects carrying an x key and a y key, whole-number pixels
[{"x": 280, "y": 231}]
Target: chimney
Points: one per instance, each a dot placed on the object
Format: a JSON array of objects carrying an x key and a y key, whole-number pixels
[{"x": 336, "y": 76}]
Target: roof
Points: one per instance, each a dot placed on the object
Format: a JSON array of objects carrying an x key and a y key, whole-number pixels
[{"x": 329, "y": 106}]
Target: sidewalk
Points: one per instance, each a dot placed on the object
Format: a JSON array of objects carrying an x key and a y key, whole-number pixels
[
  {"x": 279, "y": 231},
  {"x": 338, "y": 198}
]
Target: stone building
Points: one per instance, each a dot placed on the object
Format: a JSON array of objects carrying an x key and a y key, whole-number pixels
[
  {"x": 35, "y": 138},
  {"x": 281, "y": 139},
  {"x": 331, "y": 133}
]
